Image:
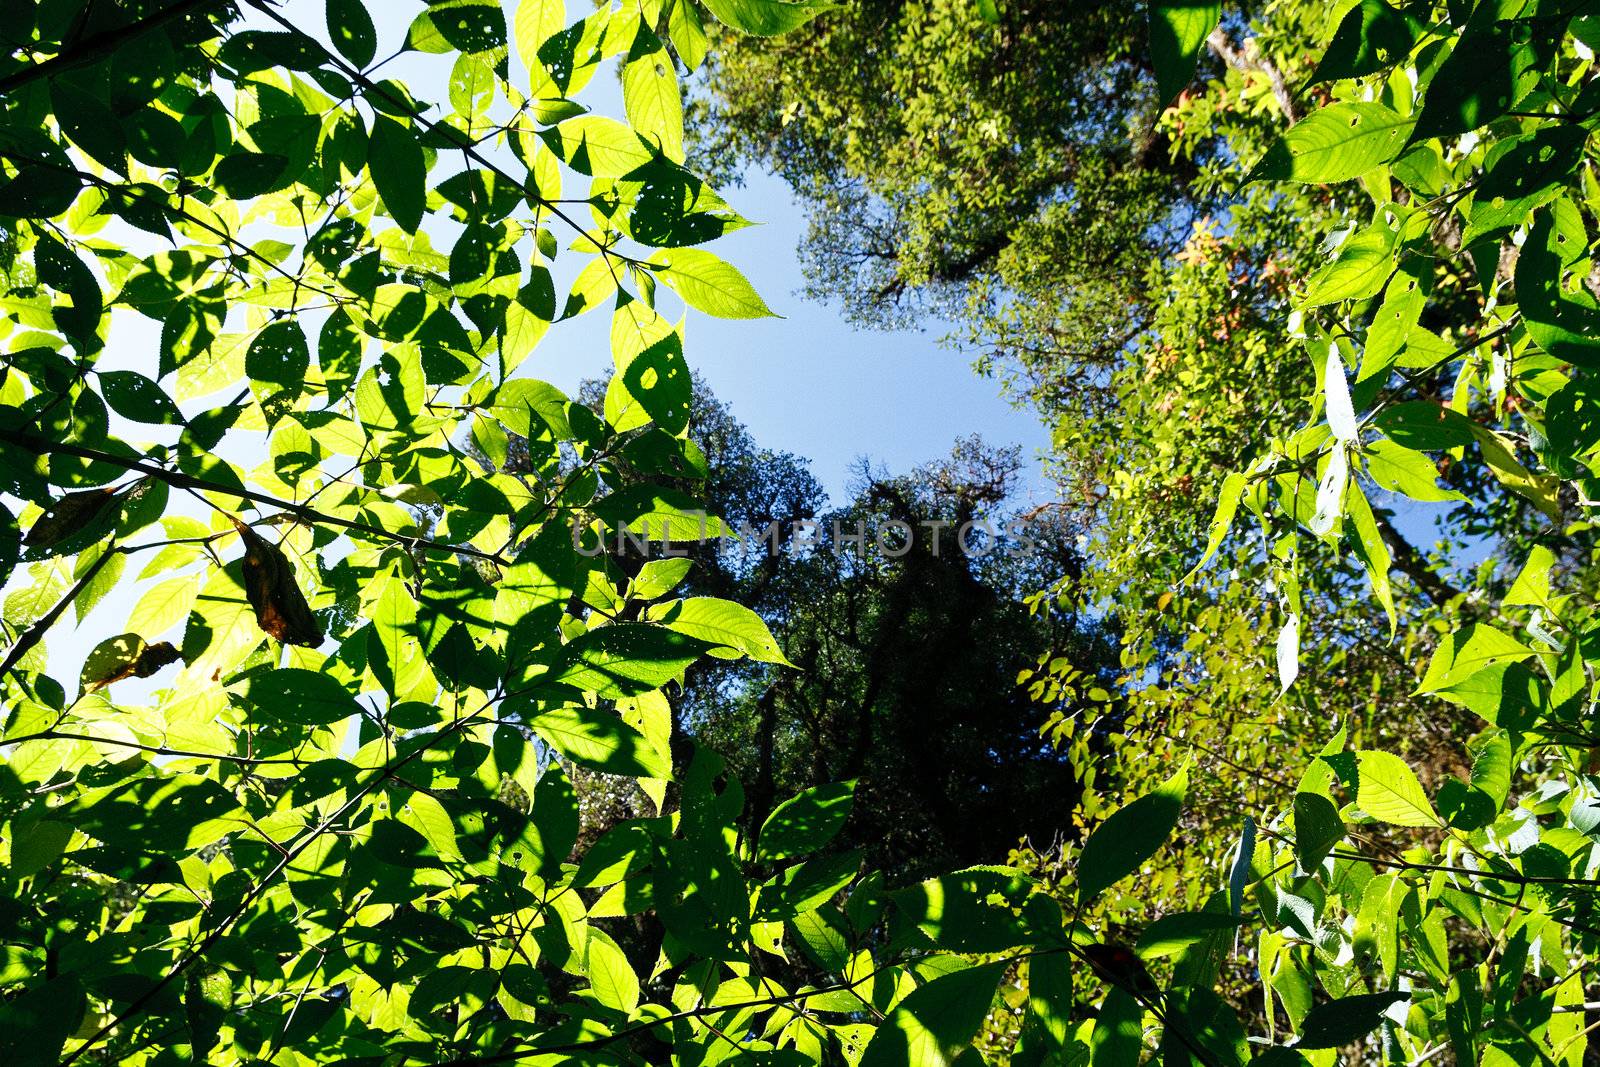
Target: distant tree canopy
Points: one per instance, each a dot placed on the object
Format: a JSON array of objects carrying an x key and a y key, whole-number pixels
[
  {"x": 909, "y": 652},
  {"x": 908, "y": 656}
]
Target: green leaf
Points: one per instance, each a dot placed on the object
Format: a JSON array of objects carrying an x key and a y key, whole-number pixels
[
  {"x": 133, "y": 396},
  {"x": 464, "y": 25},
  {"x": 351, "y": 31},
  {"x": 90, "y": 123},
  {"x": 399, "y": 171},
  {"x": 339, "y": 347},
  {"x": 823, "y": 935},
  {"x": 534, "y": 22},
  {"x": 428, "y": 817},
  {"x": 1178, "y": 31},
  {"x": 1520, "y": 175},
  {"x": 555, "y": 820},
  {"x": 651, "y": 96},
  {"x": 1499, "y": 453},
  {"x": 656, "y": 514},
  {"x": 164, "y": 605},
  {"x": 1243, "y": 859},
  {"x": 767, "y": 18},
  {"x": 1118, "y": 1035},
  {"x": 936, "y": 1022},
  {"x": 724, "y": 624},
  {"x": 1317, "y": 828},
  {"x": 1405, "y": 471},
  {"x": 1334, "y": 144},
  {"x": 1371, "y": 36},
  {"x": 969, "y": 911},
  {"x": 1372, "y": 549},
  {"x": 174, "y": 814},
  {"x": 36, "y": 844},
  {"x": 625, "y": 659},
  {"x": 599, "y": 740},
  {"x": 62, "y": 270},
  {"x": 243, "y": 174},
  {"x": 611, "y": 979},
  {"x": 708, "y": 284},
  {"x": 657, "y": 578},
  {"x": 1361, "y": 265},
  {"x": 36, "y": 1022},
  {"x": 598, "y": 146},
  {"x": 1492, "y": 65},
  {"x": 1341, "y": 1022},
  {"x": 1133, "y": 833},
  {"x": 688, "y": 34},
  {"x": 803, "y": 824},
  {"x": 1562, "y": 316},
  {"x": 393, "y": 654},
  {"x": 529, "y": 407},
  {"x": 1228, "y": 498},
  {"x": 621, "y": 850},
  {"x": 806, "y": 886},
  {"x": 1467, "y": 651},
  {"x": 277, "y": 361},
  {"x": 251, "y": 50},
  {"x": 1532, "y": 587},
  {"x": 1171, "y": 934},
  {"x": 1491, "y": 768},
  {"x": 658, "y": 378},
  {"x": 296, "y": 695},
  {"x": 1390, "y": 792}
]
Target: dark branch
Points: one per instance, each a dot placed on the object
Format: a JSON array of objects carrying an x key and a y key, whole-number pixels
[
  {"x": 180, "y": 480},
  {"x": 103, "y": 43},
  {"x": 1408, "y": 561}
]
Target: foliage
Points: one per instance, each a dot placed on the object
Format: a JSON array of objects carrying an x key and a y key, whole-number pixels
[
  {"x": 344, "y": 829},
  {"x": 337, "y": 822},
  {"x": 1436, "y": 330}
]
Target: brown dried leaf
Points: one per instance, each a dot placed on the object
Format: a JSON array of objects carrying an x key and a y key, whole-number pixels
[
  {"x": 281, "y": 609},
  {"x": 67, "y": 516},
  {"x": 124, "y": 656}
]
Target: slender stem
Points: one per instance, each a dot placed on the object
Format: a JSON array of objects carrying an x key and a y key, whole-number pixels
[
  {"x": 33, "y": 634},
  {"x": 159, "y": 750},
  {"x": 100, "y": 44},
  {"x": 184, "y": 481}
]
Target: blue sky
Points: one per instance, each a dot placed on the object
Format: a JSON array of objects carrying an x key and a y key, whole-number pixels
[{"x": 807, "y": 383}]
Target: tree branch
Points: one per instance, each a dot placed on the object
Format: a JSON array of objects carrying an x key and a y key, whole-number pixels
[
  {"x": 1248, "y": 60},
  {"x": 178, "y": 479},
  {"x": 32, "y": 635},
  {"x": 103, "y": 43},
  {"x": 1405, "y": 558}
]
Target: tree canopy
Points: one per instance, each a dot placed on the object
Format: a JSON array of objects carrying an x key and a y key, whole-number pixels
[{"x": 1279, "y": 277}]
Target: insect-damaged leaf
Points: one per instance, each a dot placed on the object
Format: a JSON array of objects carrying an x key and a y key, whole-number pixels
[
  {"x": 124, "y": 656},
  {"x": 69, "y": 515},
  {"x": 281, "y": 609}
]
